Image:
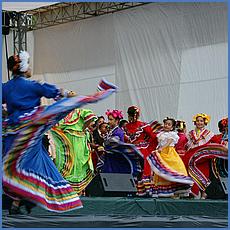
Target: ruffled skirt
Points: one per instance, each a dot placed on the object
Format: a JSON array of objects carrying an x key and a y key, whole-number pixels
[
  {"x": 197, "y": 161},
  {"x": 73, "y": 158},
  {"x": 120, "y": 157},
  {"x": 170, "y": 175},
  {"x": 28, "y": 171}
]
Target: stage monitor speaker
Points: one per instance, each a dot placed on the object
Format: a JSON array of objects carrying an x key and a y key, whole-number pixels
[
  {"x": 218, "y": 188},
  {"x": 5, "y": 23},
  {"x": 224, "y": 184},
  {"x": 112, "y": 184}
]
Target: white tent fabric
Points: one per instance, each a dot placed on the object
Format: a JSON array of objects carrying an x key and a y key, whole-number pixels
[{"x": 170, "y": 59}]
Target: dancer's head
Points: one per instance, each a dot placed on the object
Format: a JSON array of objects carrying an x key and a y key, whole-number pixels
[
  {"x": 201, "y": 120},
  {"x": 89, "y": 118},
  {"x": 133, "y": 113},
  {"x": 99, "y": 121},
  {"x": 223, "y": 125},
  {"x": 122, "y": 124},
  {"x": 180, "y": 126},
  {"x": 19, "y": 64},
  {"x": 103, "y": 127},
  {"x": 114, "y": 117},
  {"x": 169, "y": 124}
]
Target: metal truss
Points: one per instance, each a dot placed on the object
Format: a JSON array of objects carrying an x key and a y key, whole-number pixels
[
  {"x": 19, "y": 24},
  {"x": 24, "y": 21},
  {"x": 73, "y": 11}
]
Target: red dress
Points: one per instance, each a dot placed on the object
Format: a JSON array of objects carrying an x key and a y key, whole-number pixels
[
  {"x": 181, "y": 144},
  {"x": 217, "y": 138},
  {"x": 195, "y": 141},
  {"x": 220, "y": 166},
  {"x": 144, "y": 138}
]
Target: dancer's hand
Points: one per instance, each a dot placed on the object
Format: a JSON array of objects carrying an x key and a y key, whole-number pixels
[
  {"x": 159, "y": 150},
  {"x": 66, "y": 93},
  {"x": 71, "y": 94}
]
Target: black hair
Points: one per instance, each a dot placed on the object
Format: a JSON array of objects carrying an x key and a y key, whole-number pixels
[
  {"x": 132, "y": 110},
  {"x": 98, "y": 118},
  {"x": 122, "y": 122},
  {"x": 173, "y": 122},
  {"x": 11, "y": 63},
  {"x": 102, "y": 124},
  {"x": 221, "y": 126}
]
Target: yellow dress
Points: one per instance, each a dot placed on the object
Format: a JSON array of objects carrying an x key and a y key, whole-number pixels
[{"x": 170, "y": 175}]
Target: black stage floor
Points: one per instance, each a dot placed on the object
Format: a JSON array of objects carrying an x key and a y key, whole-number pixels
[{"x": 124, "y": 212}]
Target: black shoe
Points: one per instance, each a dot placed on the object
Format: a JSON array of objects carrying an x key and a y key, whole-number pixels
[
  {"x": 14, "y": 210},
  {"x": 28, "y": 205}
]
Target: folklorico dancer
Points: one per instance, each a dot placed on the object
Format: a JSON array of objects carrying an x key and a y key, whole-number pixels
[
  {"x": 119, "y": 157},
  {"x": 220, "y": 166},
  {"x": 28, "y": 171},
  {"x": 181, "y": 132},
  {"x": 73, "y": 152},
  {"x": 170, "y": 175},
  {"x": 199, "y": 152},
  {"x": 143, "y": 136}
]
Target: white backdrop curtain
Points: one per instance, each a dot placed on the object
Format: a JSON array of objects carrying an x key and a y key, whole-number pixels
[{"x": 170, "y": 59}]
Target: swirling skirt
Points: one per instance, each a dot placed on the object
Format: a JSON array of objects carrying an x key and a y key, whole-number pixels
[
  {"x": 120, "y": 157},
  {"x": 197, "y": 161},
  {"x": 73, "y": 158},
  {"x": 28, "y": 171},
  {"x": 170, "y": 175}
]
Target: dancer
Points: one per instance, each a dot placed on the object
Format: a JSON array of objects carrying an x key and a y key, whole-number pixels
[
  {"x": 123, "y": 123},
  {"x": 182, "y": 142},
  {"x": 220, "y": 166},
  {"x": 28, "y": 171},
  {"x": 170, "y": 175},
  {"x": 99, "y": 144},
  {"x": 73, "y": 153},
  {"x": 198, "y": 137},
  {"x": 222, "y": 138},
  {"x": 199, "y": 153},
  {"x": 119, "y": 157},
  {"x": 143, "y": 136},
  {"x": 114, "y": 117},
  {"x": 95, "y": 132}
]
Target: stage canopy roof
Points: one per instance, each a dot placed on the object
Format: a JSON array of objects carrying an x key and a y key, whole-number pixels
[{"x": 23, "y": 6}]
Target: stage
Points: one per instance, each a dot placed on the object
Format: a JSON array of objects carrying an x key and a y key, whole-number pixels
[{"x": 125, "y": 212}]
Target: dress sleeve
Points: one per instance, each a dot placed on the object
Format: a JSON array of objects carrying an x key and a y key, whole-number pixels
[
  {"x": 122, "y": 136},
  {"x": 46, "y": 90},
  {"x": 173, "y": 136},
  {"x": 150, "y": 133},
  {"x": 216, "y": 139}
]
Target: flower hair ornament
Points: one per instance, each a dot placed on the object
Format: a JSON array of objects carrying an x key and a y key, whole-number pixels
[
  {"x": 180, "y": 125},
  {"x": 117, "y": 114},
  {"x": 224, "y": 122},
  {"x": 24, "y": 61},
  {"x": 206, "y": 117}
]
